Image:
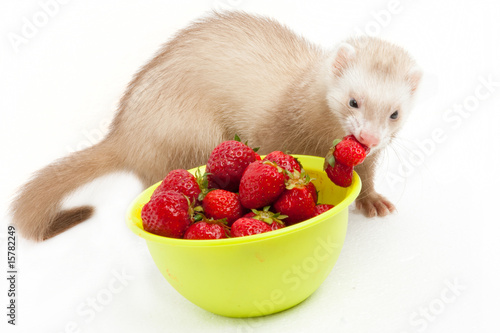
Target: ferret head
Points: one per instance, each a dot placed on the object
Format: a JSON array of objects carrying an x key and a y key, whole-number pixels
[{"x": 371, "y": 85}]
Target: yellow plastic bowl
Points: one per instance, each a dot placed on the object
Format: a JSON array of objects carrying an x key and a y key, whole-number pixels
[{"x": 260, "y": 274}]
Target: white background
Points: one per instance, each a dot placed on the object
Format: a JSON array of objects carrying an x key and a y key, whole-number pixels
[{"x": 59, "y": 89}]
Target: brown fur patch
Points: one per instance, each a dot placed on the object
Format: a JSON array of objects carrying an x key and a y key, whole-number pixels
[{"x": 67, "y": 219}]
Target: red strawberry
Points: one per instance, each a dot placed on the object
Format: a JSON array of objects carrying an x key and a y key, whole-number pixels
[
  {"x": 206, "y": 229},
  {"x": 321, "y": 208},
  {"x": 310, "y": 186},
  {"x": 265, "y": 215},
  {"x": 261, "y": 184},
  {"x": 340, "y": 174},
  {"x": 352, "y": 137},
  {"x": 284, "y": 161},
  {"x": 302, "y": 179},
  {"x": 181, "y": 181},
  {"x": 297, "y": 203},
  {"x": 226, "y": 164},
  {"x": 248, "y": 226},
  {"x": 222, "y": 204},
  {"x": 349, "y": 151},
  {"x": 167, "y": 214}
]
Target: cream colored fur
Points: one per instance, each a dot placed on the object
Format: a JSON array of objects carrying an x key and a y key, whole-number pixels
[{"x": 225, "y": 74}]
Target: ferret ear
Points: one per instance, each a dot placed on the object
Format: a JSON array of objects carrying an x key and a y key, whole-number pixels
[
  {"x": 413, "y": 78},
  {"x": 342, "y": 56}
]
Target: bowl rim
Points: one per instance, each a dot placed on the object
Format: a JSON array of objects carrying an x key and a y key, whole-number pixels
[{"x": 135, "y": 224}]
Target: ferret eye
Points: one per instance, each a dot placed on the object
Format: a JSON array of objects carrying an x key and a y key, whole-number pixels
[
  {"x": 353, "y": 103},
  {"x": 394, "y": 115}
]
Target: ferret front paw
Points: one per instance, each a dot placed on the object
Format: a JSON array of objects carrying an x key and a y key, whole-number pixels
[{"x": 374, "y": 204}]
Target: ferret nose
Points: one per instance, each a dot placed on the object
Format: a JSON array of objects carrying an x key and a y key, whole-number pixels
[{"x": 368, "y": 139}]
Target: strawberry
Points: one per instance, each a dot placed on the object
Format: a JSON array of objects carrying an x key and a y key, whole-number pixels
[
  {"x": 221, "y": 204},
  {"x": 342, "y": 157},
  {"x": 340, "y": 174},
  {"x": 352, "y": 137},
  {"x": 202, "y": 180},
  {"x": 265, "y": 215},
  {"x": 310, "y": 186},
  {"x": 261, "y": 184},
  {"x": 297, "y": 203},
  {"x": 298, "y": 199},
  {"x": 226, "y": 164},
  {"x": 181, "y": 181},
  {"x": 284, "y": 161},
  {"x": 301, "y": 179},
  {"x": 245, "y": 226},
  {"x": 349, "y": 151},
  {"x": 167, "y": 214},
  {"x": 206, "y": 229},
  {"x": 321, "y": 208}
]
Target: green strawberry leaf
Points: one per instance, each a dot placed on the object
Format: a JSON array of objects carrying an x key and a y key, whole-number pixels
[
  {"x": 336, "y": 142},
  {"x": 331, "y": 161}
]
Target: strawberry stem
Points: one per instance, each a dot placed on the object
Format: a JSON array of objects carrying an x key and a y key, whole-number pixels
[{"x": 268, "y": 217}]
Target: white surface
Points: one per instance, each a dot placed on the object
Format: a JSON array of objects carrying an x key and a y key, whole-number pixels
[{"x": 61, "y": 87}]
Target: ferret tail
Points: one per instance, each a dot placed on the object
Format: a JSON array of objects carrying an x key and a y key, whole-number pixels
[{"x": 36, "y": 210}]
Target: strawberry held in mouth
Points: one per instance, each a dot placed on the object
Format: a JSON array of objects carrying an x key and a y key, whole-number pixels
[
  {"x": 341, "y": 159},
  {"x": 349, "y": 151}
]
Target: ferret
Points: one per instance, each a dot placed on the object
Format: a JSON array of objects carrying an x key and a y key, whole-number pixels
[{"x": 234, "y": 73}]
